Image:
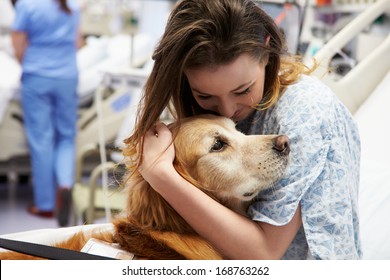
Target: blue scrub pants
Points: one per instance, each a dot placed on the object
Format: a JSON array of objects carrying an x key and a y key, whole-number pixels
[{"x": 50, "y": 116}]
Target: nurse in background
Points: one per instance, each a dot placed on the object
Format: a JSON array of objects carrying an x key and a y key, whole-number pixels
[{"x": 45, "y": 38}]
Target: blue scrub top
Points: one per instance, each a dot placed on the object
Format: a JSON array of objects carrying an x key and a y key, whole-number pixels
[{"x": 52, "y": 37}]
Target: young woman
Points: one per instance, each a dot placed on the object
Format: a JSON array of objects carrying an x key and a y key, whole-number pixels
[{"x": 227, "y": 57}]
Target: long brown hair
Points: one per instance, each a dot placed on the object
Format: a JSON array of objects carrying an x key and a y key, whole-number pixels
[
  {"x": 203, "y": 33},
  {"x": 64, "y": 6}
]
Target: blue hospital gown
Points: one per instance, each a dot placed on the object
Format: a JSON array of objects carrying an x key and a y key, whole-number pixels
[{"x": 323, "y": 174}]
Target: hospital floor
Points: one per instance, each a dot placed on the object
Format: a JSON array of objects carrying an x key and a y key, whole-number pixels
[
  {"x": 15, "y": 198},
  {"x": 13, "y": 208}
]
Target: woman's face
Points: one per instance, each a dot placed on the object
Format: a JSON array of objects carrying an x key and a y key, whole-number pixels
[{"x": 230, "y": 90}]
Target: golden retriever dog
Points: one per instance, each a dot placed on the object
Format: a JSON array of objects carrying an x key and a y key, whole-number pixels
[{"x": 229, "y": 166}]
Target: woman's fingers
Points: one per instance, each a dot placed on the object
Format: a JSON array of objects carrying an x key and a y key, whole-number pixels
[
  {"x": 157, "y": 149},
  {"x": 159, "y": 135}
]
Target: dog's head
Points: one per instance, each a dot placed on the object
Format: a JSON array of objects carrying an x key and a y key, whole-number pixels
[
  {"x": 227, "y": 165},
  {"x": 225, "y": 162}
]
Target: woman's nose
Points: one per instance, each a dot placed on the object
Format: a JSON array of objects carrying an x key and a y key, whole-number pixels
[{"x": 226, "y": 109}]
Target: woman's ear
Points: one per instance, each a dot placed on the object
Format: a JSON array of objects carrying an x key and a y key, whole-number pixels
[{"x": 265, "y": 59}]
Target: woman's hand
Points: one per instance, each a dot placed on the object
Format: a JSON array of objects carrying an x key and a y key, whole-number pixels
[{"x": 158, "y": 153}]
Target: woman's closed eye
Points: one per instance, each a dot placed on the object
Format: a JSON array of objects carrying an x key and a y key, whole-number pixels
[
  {"x": 204, "y": 97},
  {"x": 241, "y": 93},
  {"x": 244, "y": 92}
]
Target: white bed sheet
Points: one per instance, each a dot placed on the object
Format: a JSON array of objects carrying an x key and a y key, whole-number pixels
[{"x": 374, "y": 201}]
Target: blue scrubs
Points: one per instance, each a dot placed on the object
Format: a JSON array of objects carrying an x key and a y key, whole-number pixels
[{"x": 49, "y": 97}]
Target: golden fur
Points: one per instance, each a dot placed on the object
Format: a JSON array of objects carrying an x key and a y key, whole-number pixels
[{"x": 210, "y": 153}]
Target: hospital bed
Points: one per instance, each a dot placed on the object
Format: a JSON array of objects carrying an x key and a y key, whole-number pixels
[
  {"x": 102, "y": 195},
  {"x": 365, "y": 91},
  {"x": 104, "y": 71},
  {"x": 95, "y": 60}
]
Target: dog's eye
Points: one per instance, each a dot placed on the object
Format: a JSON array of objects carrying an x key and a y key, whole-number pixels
[{"x": 218, "y": 145}]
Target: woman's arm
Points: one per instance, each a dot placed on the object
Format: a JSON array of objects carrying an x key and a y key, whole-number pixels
[
  {"x": 234, "y": 235},
  {"x": 19, "y": 43}
]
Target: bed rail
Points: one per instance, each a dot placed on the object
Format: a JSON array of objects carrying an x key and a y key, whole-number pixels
[{"x": 356, "y": 85}]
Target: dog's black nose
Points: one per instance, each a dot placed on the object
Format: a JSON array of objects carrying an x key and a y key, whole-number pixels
[{"x": 281, "y": 145}]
